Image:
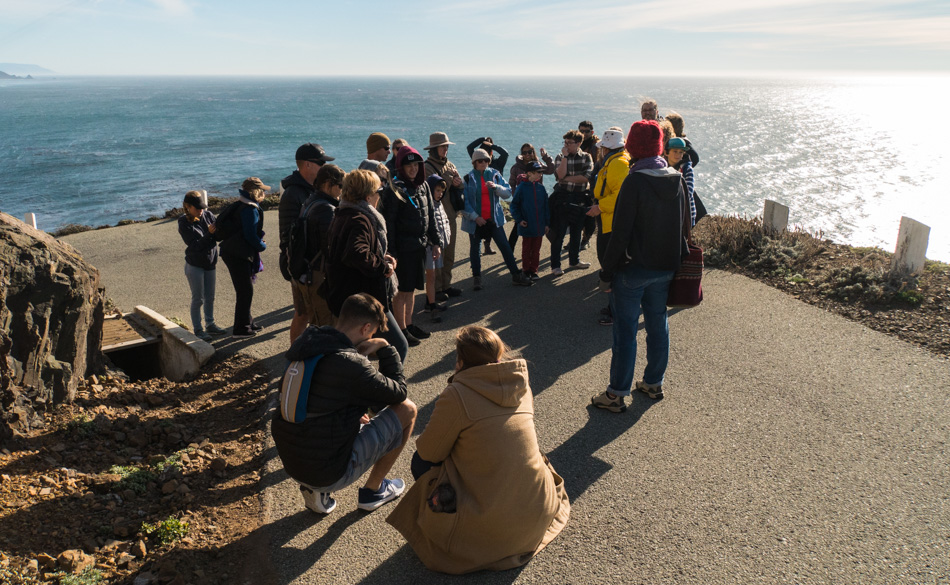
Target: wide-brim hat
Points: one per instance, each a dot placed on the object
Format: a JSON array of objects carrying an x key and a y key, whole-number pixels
[{"x": 437, "y": 139}]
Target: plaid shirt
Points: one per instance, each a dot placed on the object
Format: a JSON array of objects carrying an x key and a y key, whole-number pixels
[{"x": 577, "y": 164}]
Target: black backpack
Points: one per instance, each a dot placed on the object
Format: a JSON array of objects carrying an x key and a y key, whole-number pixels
[
  {"x": 228, "y": 221},
  {"x": 299, "y": 264}
]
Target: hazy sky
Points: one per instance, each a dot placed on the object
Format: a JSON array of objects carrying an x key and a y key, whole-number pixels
[{"x": 506, "y": 37}]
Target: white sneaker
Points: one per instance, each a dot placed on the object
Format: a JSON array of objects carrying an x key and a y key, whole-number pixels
[
  {"x": 319, "y": 502},
  {"x": 580, "y": 265},
  {"x": 557, "y": 272}
]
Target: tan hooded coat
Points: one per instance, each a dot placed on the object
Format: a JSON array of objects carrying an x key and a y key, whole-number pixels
[{"x": 510, "y": 501}]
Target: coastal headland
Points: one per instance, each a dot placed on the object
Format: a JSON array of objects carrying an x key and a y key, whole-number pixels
[{"x": 793, "y": 445}]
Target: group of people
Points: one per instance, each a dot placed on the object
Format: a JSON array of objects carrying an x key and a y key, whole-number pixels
[{"x": 356, "y": 246}]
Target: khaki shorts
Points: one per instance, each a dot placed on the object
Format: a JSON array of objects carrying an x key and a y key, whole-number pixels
[{"x": 307, "y": 301}]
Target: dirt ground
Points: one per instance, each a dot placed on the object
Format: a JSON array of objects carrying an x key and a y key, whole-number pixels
[{"x": 128, "y": 455}]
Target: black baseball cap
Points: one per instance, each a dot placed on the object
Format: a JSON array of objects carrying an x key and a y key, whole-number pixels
[{"x": 313, "y": 153}]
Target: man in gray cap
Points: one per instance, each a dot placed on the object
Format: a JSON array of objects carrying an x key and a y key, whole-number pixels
[
  {"x": 298, "y": 186},
  {"x": 439, "y": 164}
]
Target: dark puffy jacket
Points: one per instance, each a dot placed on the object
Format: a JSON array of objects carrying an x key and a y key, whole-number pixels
[
  {"x": 355, "y": 259},
  {"x": 320, "y": 209},
  {"x": 410, "y": 224},
  {"x": 344, "y": 385},
  {"x": 648, "y": 225},
  {"x": 202, "y": 249}
]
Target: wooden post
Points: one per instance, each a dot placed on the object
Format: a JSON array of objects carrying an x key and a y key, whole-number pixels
[
  {"x": 30, "y": 219},
  {"x": 775, "y": 216},
  {"x": 911, "y": 247}
]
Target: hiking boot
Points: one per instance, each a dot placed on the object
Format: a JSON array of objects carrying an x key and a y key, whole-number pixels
[
  {"x": 410, "y": 339},
  {"x": 557, "y": 272},
  {"x": 488, "y": 250},
  {"x": 417, "y": 333},
  {"x": 615, "y": 404},
  {"x": 388, "y": 491},
  {"x": 433, "y": 307},
  {"x": 319, "y": 502},
  {"x": 520, "y": 279},
  {"x": 579, "y": 265},
  {"x": 452, "y": 291},
  {"x": 477, "y": 282},
  {"x": 215, "y": 330},
  {"x": 654, "y": 391}
]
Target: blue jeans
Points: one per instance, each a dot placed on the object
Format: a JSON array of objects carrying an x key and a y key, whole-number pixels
[
  {"x": 632, "y": 289},
  {"x": 501, "y": 240},
  {"x": 201, "y": 282}
]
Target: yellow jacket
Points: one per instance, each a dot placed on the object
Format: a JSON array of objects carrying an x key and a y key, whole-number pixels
[{"x": 609, "y": 179}]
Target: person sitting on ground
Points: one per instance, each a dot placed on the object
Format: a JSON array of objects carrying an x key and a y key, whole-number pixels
[
  {"x": 438, "y": 187},
  {"x": 529, "y": 210},
  {"x": 196, "y": 228},
  {"x": 484, "y": 218},
  {"x": 479, "y": 470},
  {"x": 339, "y": 439},
  {"x": 410, "y": 226}
]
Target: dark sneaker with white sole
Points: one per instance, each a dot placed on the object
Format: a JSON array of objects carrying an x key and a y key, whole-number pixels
[{"x": 388, "y": 491}]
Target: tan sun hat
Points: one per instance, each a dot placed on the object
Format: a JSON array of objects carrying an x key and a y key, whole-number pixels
[
  {"x": 437, "y": 139},
  {"x": 254, "y": 183}
]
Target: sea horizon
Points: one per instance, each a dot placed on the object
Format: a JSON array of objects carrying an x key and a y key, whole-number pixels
[{"x": 98, "y": 149}]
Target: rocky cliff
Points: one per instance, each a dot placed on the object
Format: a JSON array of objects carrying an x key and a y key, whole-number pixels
[{"x": 51, "y": 311}]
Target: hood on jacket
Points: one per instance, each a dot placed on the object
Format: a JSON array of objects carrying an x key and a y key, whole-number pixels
[
  {"x": 434, "y": 180},
  {"x": 318, "y": 340},
  {"x": 504, "y": 383},
  {"x": 295, "y": 178},
  {"x": 408, "y": 152},
  {"x": 666, "y": 182}
]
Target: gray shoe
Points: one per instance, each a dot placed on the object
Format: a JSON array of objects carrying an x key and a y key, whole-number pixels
[
  {"x": 615, "y": 404},
  {"x": 654, "y": 391},
  {"x": 203, "y": 336}
]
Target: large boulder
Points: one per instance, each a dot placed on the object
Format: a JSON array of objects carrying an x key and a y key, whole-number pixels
[{"x": 51, "y": 312}]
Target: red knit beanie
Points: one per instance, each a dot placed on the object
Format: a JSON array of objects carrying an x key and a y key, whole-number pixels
[{"x": 645, "y": 139}]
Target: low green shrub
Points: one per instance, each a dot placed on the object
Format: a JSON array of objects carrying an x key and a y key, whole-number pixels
[{"x": 167, "y": 531}]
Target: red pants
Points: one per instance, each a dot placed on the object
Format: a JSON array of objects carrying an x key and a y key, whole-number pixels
[{"x": 530, "y": 254}]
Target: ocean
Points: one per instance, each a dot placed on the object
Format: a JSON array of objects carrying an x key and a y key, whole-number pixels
[{"x": 849, "y": 156}]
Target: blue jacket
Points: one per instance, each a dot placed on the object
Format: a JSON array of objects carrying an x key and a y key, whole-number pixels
[
  {"x": 531, "y": 204},
  {"x": 473, "y": 198}
]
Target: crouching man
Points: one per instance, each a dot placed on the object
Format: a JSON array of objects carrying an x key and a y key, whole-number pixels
[{"x": 325, "y": 431}]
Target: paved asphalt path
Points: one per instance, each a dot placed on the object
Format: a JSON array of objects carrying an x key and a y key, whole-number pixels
[{"x": 793, "y": 446}]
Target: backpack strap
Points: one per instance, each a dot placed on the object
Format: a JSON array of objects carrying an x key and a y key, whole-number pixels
[{"x": 295, "y": 389}]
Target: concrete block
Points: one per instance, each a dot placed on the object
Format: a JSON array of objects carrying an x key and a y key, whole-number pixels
[
  {"x": 775, "y": 216},
  {"x": 181, "y": 353},
  {"x": 911, "y": 249},
  {"x": 30, "y": 220}
]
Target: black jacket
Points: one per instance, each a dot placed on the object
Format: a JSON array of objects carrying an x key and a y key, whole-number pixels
[
  {"x": 296, "y": 192},
  {"x": 202, "y": 249},
  {"x": 648, "y": 227},
  {"x": 345, "y": 384},
  {"x": 410, "y": 224},
  {"x": 319, "y": 217}
]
